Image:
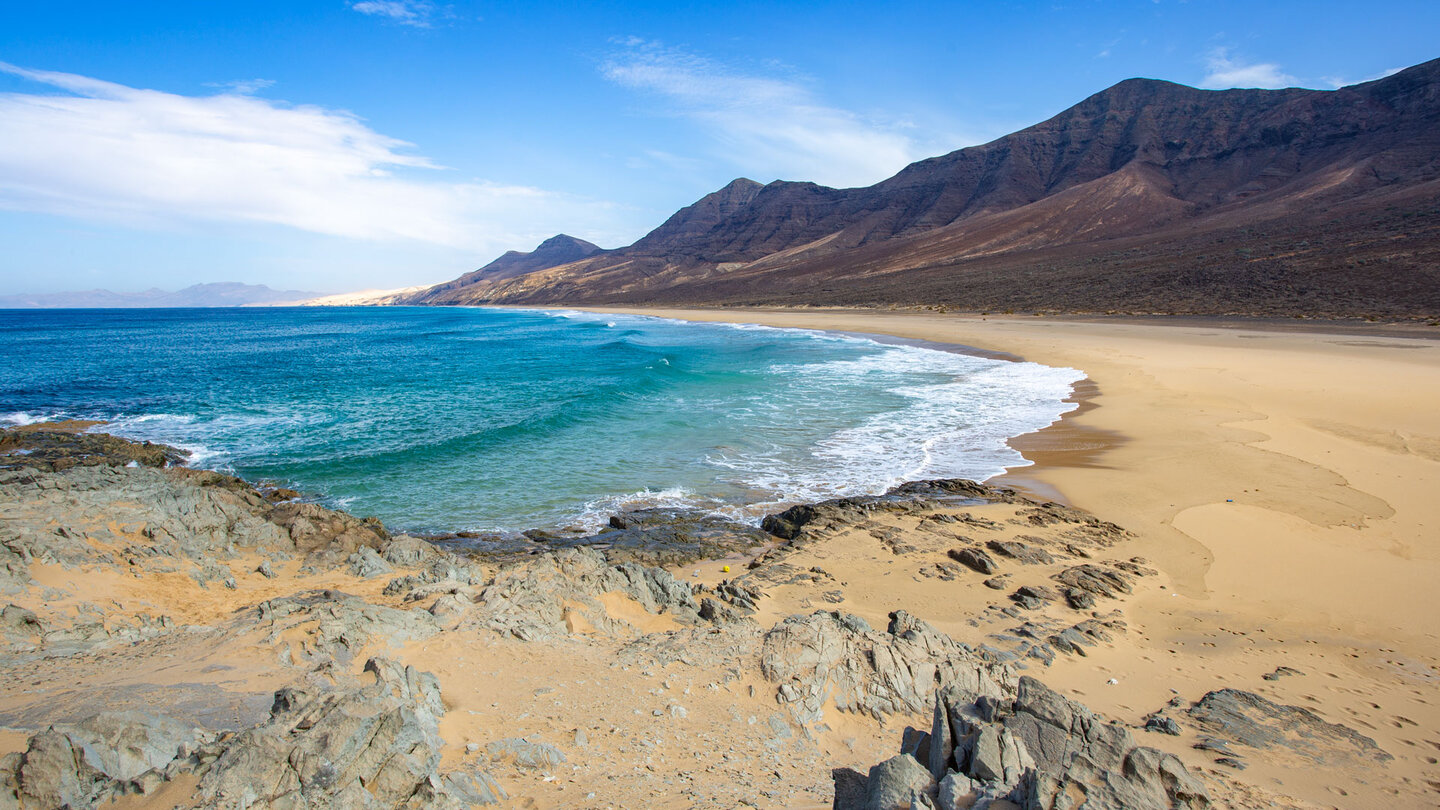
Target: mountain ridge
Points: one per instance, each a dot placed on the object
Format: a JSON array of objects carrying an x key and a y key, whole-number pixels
[{"x": 1155, "y": 167}]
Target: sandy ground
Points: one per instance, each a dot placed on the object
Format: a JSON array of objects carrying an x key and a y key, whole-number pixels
[{"x": 1287, "y": 486}]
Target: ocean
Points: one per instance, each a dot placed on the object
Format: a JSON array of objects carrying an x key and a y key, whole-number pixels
[{"x": 473, "y": 419}]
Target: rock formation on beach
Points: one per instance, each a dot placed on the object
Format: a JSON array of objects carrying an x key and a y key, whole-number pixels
[
  {"x": 1148, "y": 197},
  {"x": 181, "y": 636}
]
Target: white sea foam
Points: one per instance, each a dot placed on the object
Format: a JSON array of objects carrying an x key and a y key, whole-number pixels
[
  {"x": 955, "y": 416},
  {"x": 596, "y": 513},
  {"x": 21, "y": 418}
]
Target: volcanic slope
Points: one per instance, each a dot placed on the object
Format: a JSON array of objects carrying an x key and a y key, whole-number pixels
[{"x": 1146, "y": 197}]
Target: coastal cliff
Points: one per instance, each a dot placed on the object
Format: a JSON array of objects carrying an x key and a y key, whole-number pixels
[{"x": 183, "y": 638}]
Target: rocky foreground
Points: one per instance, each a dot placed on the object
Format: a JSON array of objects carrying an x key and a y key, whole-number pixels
[{"x": 179, "y": 638}]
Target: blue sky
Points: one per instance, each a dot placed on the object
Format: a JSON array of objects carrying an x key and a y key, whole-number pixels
[{"x": 353, "y": 144}]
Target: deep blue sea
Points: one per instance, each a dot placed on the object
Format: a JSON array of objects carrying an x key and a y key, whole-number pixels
[{"x": 448, "y": 419}]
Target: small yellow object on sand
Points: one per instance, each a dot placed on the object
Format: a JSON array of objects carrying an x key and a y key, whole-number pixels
[{"x": 725, "y": 568}]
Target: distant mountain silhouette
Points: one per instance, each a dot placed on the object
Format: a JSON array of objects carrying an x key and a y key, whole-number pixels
[
  {"x": 1147, "y": 197},
  {"x": 218, "y": 294},
  {"x": 556, "y": 250}
]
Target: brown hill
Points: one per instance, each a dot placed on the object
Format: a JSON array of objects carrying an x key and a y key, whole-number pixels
[
  {"x": 557, "y": 250},
  {"x": 1147, "y": 197}
]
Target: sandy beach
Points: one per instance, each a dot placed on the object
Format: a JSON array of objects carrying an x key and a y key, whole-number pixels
[
  {"x": 1243, "y": 547},
  {"x": 1283, "y": 482}
]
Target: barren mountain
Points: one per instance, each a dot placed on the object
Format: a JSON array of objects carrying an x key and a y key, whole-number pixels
[
  {"x": 1146, "y": 197},
  {"x": 556, "y": 250}
]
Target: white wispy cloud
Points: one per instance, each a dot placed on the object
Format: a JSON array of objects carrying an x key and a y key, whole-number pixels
[
  {"x": 1337, "y": 82},
  {"x": 417, "y": 13},
  {"x": 765, "y": 125},
  {"x": 104, "y": 151},
  {"x": 1224, "y": 71},
  {"x": 244, "y": 87}
]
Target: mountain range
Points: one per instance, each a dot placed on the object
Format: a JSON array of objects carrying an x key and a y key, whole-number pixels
[
  {"x": 1148, "y": 197},
  {"x": 218, "y": 294}
]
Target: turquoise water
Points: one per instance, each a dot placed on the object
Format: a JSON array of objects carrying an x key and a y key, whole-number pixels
[{"x": 477, "y": 419}]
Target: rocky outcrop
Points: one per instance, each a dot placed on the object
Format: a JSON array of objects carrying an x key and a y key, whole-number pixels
[
  {"x": 375, "y": 746},
  {"x": 1237, "y": 716},
  {"x": 58, "y": 450},
  {"x": 162, "y": 520},
  {"x": 558, "y": 594},
  {"x": 913, "y": 496},
  {"x": 1037, "y": 750},
  {"x": 838, "y": 657},
  {"x": 109, "y": 755},
  {"x": 660, "y": 537}
]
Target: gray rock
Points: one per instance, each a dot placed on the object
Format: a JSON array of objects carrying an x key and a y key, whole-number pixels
[
  {"x": 953, "y": 789},
  {"x": 365, "y": 563},
  {"x": 1020, "y": 552},
  {"x": 942, "y": 740},
  {"x": 1033, "y": 597},
  {"x": 974, "y": 559},
  {"x": 1249, "y": 719},
  {"x": 1095, "y": 579},
  {"x": 985, "y": 763},
  {"x": 890, "y": 784},
  {"x": 1161, "y": 724},
  {"x": 832, "y": 656},
  {"x": 373, "y": 746},
  {"x": 104, "y": 757},
  {"x": 408, "y": 551}
]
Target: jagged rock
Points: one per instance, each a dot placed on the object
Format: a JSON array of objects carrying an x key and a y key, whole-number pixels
[
  {"x": 1042, "y": 751},
  {"x": 1079, "y": 599},
  {"x": 1281, "y": 672},
  {"x": 837, "y": 656},
  {"x": 58, "y": 450},
  {"x": 373, "y": 746},
  {"x": 1162, "y": 724},
  {"x": 953, "y": 788},
  {"x": 942, "y": 740},
  {"x": 1249, "y": 719},
  {"x": 1032, "y": 597},
  {"x": 667, "y": 537},
  {"x": 20, "y": 626},
  {"x": 1020, "y": 552},
  {"x": 890, "y": 784},
  {"x": 1095, "y": 579},
  {"x": 409, "y": 552},
  {"x": 1072, "y": 746},
  {"x": 106, "y": 756},
  {"x": 365, "y": 563},
  {"x": 974, "y": 559},
  {"x": 546, "y": 596},
  {"x": 911, "y": 496},
  {"x": 343, "y": 624}
]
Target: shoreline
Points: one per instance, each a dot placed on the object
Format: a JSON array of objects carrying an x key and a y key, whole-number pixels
[
  {"x": 1295, "y": 564},
  {"x": 1281, "y": 480}
]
